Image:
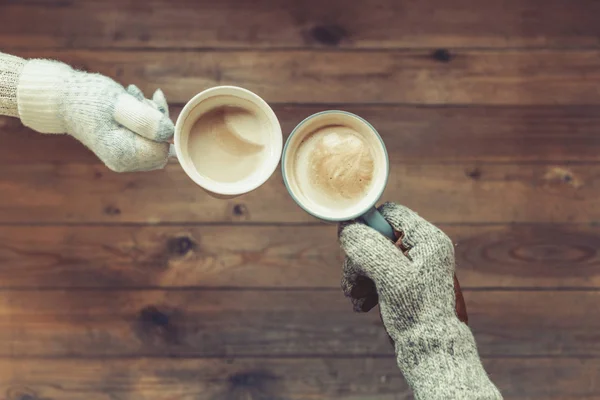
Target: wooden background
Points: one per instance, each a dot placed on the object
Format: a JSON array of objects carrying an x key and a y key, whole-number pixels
[{"x": 140, "y": 286}]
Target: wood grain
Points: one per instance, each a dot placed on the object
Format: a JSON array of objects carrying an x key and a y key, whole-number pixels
[
  {"x": 534, "y": 256},
  {"x": 292, "y": 379},
  {"x": 533, "y": 77},
  {"x": 412, "y": 134},
  {"x": 140, "y": 286},
  {"x": 278, "y": 23},
  {"x": 209, "y": 379},
  {"x": 512, "y": 256},
  {"x": 457, "y": 193},
  {"x": 300, "y": 323}
]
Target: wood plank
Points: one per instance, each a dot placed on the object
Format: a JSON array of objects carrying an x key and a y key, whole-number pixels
[
  {"x": 299, "y": 323},
  {"x": 211, "y": 379},
  {"x": 276, "y": 24},
  {"x": 457, "y": 193},
  {"x": 540, "y": 256},
  {"x": 510, "y": 256},
  {"x": 533, "y": 77},
  {"x": 290, "y": 379},
  {"x": 412, "y": 134}
]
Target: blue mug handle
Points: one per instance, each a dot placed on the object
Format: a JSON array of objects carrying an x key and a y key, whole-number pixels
[{"x": 375, "y": 220}]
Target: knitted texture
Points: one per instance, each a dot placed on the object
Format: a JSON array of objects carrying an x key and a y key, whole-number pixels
[
  {"x": 125, "y": 130},
  {"x": 10, "y": 69},
  {"x": 435, "y": 351}
]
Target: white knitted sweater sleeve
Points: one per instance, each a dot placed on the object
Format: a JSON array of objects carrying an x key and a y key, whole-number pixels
[{"x": 10, "y": 70}]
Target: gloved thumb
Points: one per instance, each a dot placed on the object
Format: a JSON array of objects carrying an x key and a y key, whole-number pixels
[
  {"x": 377, "y": 257},
  {"x": 143, "y": 119}
]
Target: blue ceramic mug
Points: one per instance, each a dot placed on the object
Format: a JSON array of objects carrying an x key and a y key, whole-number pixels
[{"x": 364, "y": 206}]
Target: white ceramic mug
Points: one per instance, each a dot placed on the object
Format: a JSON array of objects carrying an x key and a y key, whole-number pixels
[
  {"x": 211, "y": 99},
  {"x": 364, "y": 209}
]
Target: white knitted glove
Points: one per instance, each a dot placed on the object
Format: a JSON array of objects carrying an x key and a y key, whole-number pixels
[{"x": 126, "y": 131}]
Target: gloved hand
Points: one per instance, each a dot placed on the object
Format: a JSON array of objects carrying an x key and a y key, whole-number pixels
[
  {"x": 126, "y": 131},
  {"x": 435, "y": 351}
]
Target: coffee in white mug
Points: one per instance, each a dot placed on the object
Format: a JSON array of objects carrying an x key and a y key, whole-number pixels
[
  {"x": 228, "y": 140},
  {"x": 335, "y": 165},
  {"x": 227, "y": 144}
]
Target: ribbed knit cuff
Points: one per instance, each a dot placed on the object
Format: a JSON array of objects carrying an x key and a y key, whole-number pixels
[
  {"x": 10, "y": 70},
  {"x": 440, "y": 362},
  {"x": 40, "y": 89}
]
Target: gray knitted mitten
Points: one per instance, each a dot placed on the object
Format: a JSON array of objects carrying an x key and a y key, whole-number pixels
[{"x": 435, "y": 351}]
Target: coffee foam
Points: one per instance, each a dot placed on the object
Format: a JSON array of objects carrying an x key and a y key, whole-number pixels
[
  {"x": 228, "y": 144},
  {"x": 334, "y": 167}
]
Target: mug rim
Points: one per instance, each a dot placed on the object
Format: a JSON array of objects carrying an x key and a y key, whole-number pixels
[
  {"x": 233, "y": 188},
  {"x": 299, "y": 203}
]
